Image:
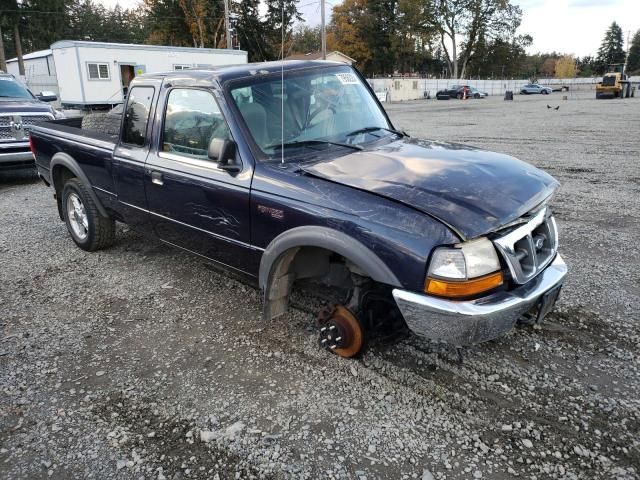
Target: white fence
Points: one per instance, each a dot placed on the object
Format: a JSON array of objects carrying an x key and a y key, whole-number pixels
[{"x": 399, "y": 89}]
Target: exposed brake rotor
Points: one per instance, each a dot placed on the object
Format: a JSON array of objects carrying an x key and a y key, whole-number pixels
[{"x": 340, "y": 331}]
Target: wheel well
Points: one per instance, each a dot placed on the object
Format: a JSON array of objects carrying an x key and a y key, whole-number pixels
[
  {"x": 316, "y": 278},
  {"x": 320, "y": 265},
  {"x": 59, "y": 176}
]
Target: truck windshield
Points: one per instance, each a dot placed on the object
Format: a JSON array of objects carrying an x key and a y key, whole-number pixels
[
  {"x": 9, "y": 88},
  {"x": 329, "y": 105}
]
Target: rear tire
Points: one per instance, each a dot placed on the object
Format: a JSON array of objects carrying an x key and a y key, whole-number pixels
[
  {"x": 87, "y": 227},
  {"x": 106, "y": 123}
]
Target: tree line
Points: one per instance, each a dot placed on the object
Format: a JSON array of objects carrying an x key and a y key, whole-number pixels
[
  {"x": 30, "y": 25},
  {"x": 448, "y": 38},
  {"x": 459, "y": 39}
]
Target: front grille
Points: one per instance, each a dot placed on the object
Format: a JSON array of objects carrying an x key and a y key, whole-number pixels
[
  {"x": 528, "y": 248},
  {"x": 8, "y": 131}
]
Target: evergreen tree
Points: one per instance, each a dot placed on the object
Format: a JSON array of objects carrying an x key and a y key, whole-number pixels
[
  {"x": 586, "y": 66},
  {"x": 306, "y": 39},
  {"x": 166, "y": 23},
  {"x": 379, "y": 31},
  {"x": 633, "y": 61},
  {"x": 281, "y": 15},
  {"x": 612, "y": 48},
  {"x": 45, "y": 22},
  {"x": 251, "y": 30}
]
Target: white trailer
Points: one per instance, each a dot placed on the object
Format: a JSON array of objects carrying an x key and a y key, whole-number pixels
[
  {"x": 96, "y": 74},
  {"x": 39, "y": 72}
]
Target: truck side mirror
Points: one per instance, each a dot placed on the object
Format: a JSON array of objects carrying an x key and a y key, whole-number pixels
[
  {"x": 223, "y": 151},
  {"x": 47, "y": 97}
]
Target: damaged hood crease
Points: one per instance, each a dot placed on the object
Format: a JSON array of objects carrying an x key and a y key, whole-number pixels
[{"x": 472, "y": 191}]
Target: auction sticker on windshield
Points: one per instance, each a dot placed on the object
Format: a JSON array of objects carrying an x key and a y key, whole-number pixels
[{"x": 347, "y": 78}]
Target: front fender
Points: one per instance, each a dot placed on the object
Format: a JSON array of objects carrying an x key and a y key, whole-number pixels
[
  {"x": 329, "y": 239},
  {"x": 275, "y": 279}
]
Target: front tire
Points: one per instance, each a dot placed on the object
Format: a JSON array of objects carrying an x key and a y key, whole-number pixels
[{"x": 88, "y": 228}]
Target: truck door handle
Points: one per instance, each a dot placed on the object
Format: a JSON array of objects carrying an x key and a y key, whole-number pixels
[{"x": 156, "y": 178}]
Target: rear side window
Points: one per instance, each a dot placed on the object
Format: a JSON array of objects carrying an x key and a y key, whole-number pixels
[{"x": 136, "y": 115}]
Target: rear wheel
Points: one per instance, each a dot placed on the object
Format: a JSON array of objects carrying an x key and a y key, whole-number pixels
[{"x": 89, "y": 230}]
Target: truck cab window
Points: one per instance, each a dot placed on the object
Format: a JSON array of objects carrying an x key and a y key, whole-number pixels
[
  {"x": 192, "y": 120},
  {"x": 136, "y": 116}
]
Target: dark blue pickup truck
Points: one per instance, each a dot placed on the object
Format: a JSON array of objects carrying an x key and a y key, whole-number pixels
[{"x": 294, "y": 175}]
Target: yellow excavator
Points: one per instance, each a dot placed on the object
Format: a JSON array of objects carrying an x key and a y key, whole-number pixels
[{"x": 615, "y": 83}]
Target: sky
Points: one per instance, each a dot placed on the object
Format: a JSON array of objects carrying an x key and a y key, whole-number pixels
[{"x": 567, "y": 26}]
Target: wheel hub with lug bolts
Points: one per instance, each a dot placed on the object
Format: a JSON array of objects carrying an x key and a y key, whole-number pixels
[
  {"x": 331, "y": 336},
  {"x": 340, "y": 331}
]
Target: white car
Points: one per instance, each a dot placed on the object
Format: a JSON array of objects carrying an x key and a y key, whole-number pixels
[{"x": 535, "y": 88}]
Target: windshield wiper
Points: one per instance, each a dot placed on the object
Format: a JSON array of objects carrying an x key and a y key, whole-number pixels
[
  {"x": 373, "y": 129},
  {"x": 306, "y": 143}
]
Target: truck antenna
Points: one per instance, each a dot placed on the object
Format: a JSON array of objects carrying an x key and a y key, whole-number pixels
[{"x": 282, "y": 84}]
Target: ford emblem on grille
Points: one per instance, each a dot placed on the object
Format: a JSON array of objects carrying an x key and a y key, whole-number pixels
[{"x": 17, "y": 127}]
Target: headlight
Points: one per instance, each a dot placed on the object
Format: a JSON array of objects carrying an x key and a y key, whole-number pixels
[
  {"x": 58, "y": 114},
  {"x": 466, "y": 269}
]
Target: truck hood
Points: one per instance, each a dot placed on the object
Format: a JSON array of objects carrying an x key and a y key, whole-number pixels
[
  {"x": 17, "y": 106},
  {"x": 471, "y": 190}
]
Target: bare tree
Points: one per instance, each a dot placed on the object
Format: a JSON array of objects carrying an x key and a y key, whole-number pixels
[
  {"x": 449, "y": 20},
  {"x": 462, "y": 22},
  {"x": 18, "y": 42}
]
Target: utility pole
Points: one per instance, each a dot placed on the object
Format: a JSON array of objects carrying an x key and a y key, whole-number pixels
[
  {"x": 323, "y": 31},
  {"x": 626, "y": 58},
  {"x": 227, "y": 25}
]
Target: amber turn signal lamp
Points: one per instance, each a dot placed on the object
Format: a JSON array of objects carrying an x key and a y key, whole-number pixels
[{"x": 463, "y": 288}]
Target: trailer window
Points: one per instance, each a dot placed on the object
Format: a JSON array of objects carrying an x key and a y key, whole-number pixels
[
  {"x": 192, "y": 120},
  {"x": 136, "y": 116},
  {"x": 98, "y": 71}
]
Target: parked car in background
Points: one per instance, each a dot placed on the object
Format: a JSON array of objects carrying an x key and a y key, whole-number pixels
[
  {"x": 19, "y": 110},
  {"x": 457, "y": 91},
  {"x": 531, "y": 88},
  {"x": 315, "y": 188},
  {"x": 475, "y": 93}
]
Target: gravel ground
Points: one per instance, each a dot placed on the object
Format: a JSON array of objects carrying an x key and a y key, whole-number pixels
[{"x": 142, "y": 362}]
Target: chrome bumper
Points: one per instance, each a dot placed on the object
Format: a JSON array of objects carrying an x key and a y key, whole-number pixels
[
  {"x": 474, "y": 321},
  {"x": 15, "y": 152}
]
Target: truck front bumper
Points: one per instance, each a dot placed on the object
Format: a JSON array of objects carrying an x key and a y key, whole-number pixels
[
  {"x": 467, "y": 322},
  {"x": 15, "y": 155}
]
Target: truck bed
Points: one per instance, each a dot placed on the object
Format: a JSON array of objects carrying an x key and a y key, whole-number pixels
[
  {"x": 71, "y": 129},
  {"x": 91, "y": 152}
]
